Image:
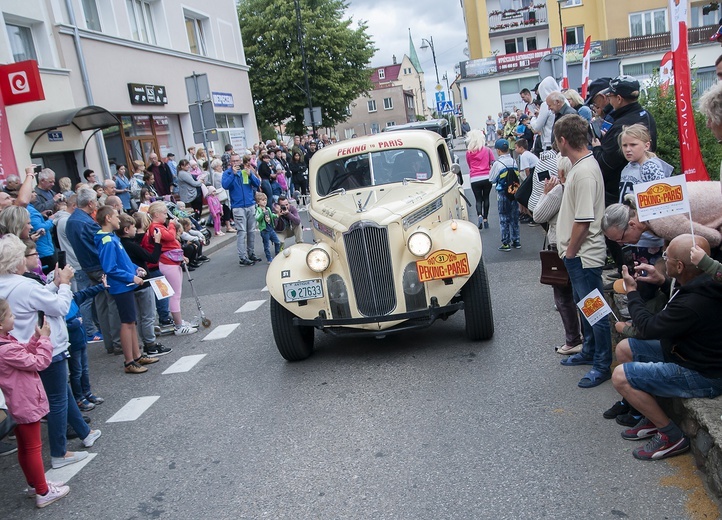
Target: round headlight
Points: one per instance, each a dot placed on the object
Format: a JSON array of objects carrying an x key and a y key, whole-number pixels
[
  {"x": 419, "y": 243},
  {"x": 318, "y": 260}
]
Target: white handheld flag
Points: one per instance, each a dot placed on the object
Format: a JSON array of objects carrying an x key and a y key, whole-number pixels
[{"x": 594, "y": 307}]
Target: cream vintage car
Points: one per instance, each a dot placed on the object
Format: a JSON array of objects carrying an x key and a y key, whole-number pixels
[{"x": 393, "y": 246}]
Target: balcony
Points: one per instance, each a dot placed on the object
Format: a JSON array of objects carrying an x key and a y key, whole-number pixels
[
  {"x": 518, "y": 20},
  {"x": 661, "y": 41}
]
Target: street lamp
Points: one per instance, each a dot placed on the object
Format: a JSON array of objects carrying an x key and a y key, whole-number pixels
[
  {"x": 561, "y": 25},
  {"x": 425, "y": 44}
]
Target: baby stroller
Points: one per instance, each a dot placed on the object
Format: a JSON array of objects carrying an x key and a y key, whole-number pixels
[{"x": 175, "y": 212}]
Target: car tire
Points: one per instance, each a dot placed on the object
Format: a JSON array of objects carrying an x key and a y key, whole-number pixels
[
  {"x": 294, "y": 342},
  {"x": 477, "y": 305}
]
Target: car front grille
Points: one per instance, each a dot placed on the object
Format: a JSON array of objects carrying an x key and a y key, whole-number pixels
[{"x": 369, "y": 259}]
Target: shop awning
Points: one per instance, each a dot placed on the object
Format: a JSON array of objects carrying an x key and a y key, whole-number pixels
[{"x": 85, "y": 118}]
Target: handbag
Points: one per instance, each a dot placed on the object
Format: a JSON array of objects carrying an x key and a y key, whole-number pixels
[
  {"x": 221, "y": 194},
  {"x": 553, "y": 270},
  {"x": 174, "y": 255},
  {"x": 7, "y": 423},
  {"x": 523, "y": 194}
]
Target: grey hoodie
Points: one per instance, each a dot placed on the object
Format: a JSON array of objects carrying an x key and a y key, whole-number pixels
[{"x": 544, "y": 122}]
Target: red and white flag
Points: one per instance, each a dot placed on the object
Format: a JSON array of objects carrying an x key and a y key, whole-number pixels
[
  {"x": 666, "y": 73},
  {"x": 691, "y": 157},
  {"x": 586, "y": 62},
  {"x": 565, "y": 77}
]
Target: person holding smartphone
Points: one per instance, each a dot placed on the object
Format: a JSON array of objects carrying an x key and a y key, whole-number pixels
[{"x": 240, "y": 182}]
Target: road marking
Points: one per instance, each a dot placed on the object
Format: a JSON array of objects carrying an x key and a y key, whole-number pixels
[
  {"x": 134, "y": 408},
  {"x": 184, "y": 364},
  {"x": 221, "y": 331},
  {"x": 65, "y": 473},
  {"x": 265, "y": 289},
  {"x": 250, "y": 306}
]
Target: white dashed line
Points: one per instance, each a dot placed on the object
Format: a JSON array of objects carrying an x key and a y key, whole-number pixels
[
  {"x": 265, "y": 289},
  {"x": 221, "y": 331},
  {"x": 184, "y": 364},
  {"x": 250, "y": 306},
  {"x": 65, "y": 473},
  {"x": 134, "y": 409}
]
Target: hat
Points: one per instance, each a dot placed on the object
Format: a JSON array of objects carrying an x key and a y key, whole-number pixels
[
  {"x": 536, "y": 88},
  {"x": 523, "y": 117},
  {"x": 596, "y": 87},
  {"x": 502, "y": 145},
  {"x": 625, "y": 86},
  {"x": 506, "y": 114},
  {"x": 171, "y": 154}
]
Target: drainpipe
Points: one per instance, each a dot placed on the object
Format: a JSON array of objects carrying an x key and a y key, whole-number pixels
[{"x": 86, "y": 86}]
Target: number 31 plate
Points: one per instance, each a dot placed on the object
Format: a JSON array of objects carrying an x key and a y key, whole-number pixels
[{"x": 305, "y": 290}]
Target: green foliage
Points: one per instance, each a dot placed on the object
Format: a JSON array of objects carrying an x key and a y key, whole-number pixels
[
  {"x": 337, "y": 58},
  {"x": 267, "y": 130},
  {"x": 664, "y": 110}
]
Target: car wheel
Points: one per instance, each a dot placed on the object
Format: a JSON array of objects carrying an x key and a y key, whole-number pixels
[
  {"x": 477, "y": 305},
  {"x": 294, "y": 342}
]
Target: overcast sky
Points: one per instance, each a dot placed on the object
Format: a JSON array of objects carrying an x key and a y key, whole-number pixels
[{"x": 389, "y": 22}]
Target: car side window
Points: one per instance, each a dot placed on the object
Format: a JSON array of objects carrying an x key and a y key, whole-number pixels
[{"x": 443, "y": 159}]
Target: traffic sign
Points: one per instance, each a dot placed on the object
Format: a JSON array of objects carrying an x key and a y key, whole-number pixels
[
  {"x": 440, "y": 96},
  {"x": 445, "y": 107}
]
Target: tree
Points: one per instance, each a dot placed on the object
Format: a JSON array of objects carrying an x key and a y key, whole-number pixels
[{"x": 337, "y": 58}]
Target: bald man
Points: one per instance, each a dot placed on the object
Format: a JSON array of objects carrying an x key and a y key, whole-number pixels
[
  {"x": 681, "y": 356},
  {"x": 114, "y": 202}
]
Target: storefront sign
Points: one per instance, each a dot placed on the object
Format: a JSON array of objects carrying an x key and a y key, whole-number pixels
[
  {"x": 520, "y": 60},
  {"x": 477, "y": 68},
  {"x": 223, "y": 99},
  {"x": 238, "y": 138},
  {"x": 20, "y": 82},
  {"x": 56, "y": 135},
  {"x": 147, "y": 94}
]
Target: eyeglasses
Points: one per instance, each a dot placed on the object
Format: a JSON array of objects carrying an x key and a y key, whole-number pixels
[
  {"x": 31, "y": 254},
  {"x": 665, "y": 257}
]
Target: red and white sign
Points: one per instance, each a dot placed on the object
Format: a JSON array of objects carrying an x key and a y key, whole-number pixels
[
  {"x": 666, "y": 73},
  {"x": 520, "y": 60},
  {"x": 20, "y": 82},
  {"x": 691, "y": 157}
]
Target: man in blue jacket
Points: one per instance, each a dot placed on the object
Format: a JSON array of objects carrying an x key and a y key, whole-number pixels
[
  {"x": 241, "y": 184},
  {"x": 81, "y": 230}
]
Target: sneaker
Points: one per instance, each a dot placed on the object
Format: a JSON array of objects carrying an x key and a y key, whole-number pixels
[
  {"x": 146, "y": 360},
  {"x": 628, "y": 419},
  {"x": 517, "y": 245},
  {"x": 618, "y": 408},
  {"x": 184, "y": 330},
  {"x": 134, "y": 368},
  {"x": 566, "y": 350},
  {"x": 85, "y": 406},
  {"x": 157, "y": 350},
  {"x": 644, "y": 429},
  {"x": 245, "y": 261},
  {"x": 54, "y": 494},
  {"x": 30, "y": 491},
  {"x": 486, "y": 224},
  {"x": 95, "y": 338},
  {"x": 93, "y": 436},
  {"x": 7, "y": 449},
  {"x": 505, "y": 247},
  {"x": 254, "y": 258},
  {"x": 660, "y": 447},
  {"x": 532, "y": 224},
  {"x": 71, "y": 457},
  {"x": 95, "y": 399},
  {"x": 203, "y": 258}
]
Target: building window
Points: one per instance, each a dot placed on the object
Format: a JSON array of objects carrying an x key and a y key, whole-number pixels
[
  {"x": 571, "y": 3},
  {"x": 21, "y": 42},
  {"x": 575, "y": 35},
  {"x": 390, "y": 123},
  {"x": 410, "y": 102},
  {"x": 640, "y": 70},
  {"x": 648, "y": 22},
  {"x": 92, "y": 19},
  {"x": 382, "y": 74},
  {"x": 348, "y": 133},
  {"x": 196, "y": 35},
  {"x": 372, "y": 105},
  {"x": 388, "y": 103},
  {"x": 141, "y": 21},
  {"x": 531, "y": 43},
  {"x": 699, "y": 19},
  {"x": 375, "y": 128}
]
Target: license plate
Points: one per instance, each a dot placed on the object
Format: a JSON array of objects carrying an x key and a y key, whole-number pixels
[
  {"x": 304, "y": 290},
  {"x": 442, "y": 264}
]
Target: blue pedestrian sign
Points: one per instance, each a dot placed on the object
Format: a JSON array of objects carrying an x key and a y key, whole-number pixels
[
  {"x": 445, "y": 107},
  {"x": 440, "y": 96}
]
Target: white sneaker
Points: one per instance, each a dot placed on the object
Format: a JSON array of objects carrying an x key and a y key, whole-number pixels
[
  {"x": 184, "y": 330},
  {"x": 93, "y": 436},
  {"x": 30, "y": 491},
  {"x": 70, "y": 458},
  {"x": 54, "y": 493}
]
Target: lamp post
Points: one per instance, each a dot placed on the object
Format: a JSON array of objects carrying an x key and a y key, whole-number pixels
[
  {"x": 561, "y": 25},
  {"x": 425, "y": 44}
]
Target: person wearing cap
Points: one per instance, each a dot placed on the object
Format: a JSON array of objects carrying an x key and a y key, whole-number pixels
[{"x": 508, "y": 209}]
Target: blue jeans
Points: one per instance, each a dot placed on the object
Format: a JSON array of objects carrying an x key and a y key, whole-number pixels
[
  {"x": 63, "y": 408},
  {"x": 161, "y": 306},
  {"x": 649, "y": 373},
  {"x": 597, "y": 339},
  {"x": 508, "y": 219},
  {"x": 86, "y": 308},
  {"x": 78, "y": 361},
  {"x": 269, "y": 235}
]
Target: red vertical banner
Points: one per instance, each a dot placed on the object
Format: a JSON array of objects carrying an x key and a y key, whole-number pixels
[
  {"x": 586, "y": 63},
  {"x": 8, "y": 164},
  {"x": 690, "y": 154},
  {"x": 565, "y": 76}
]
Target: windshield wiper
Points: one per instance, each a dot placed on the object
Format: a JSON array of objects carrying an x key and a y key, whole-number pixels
[
  {"x": 406, "y": 180},
  {"x": 337, "y": 191}
]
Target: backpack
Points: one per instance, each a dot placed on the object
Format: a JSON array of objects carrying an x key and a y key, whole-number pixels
[{"x": 508, "y": 182}]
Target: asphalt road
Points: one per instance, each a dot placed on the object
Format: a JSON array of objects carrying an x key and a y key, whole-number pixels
[{"x": 421, "y": 425}]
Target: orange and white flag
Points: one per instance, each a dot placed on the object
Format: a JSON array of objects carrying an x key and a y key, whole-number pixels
[{"x": 594, "y": 307}]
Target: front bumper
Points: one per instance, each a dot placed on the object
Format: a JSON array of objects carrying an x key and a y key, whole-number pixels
[{"x": 418, "y": 319}]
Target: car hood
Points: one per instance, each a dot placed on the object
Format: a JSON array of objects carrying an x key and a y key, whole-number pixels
[{"x": 381, "y": 205}]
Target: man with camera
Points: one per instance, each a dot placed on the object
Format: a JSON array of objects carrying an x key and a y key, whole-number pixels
[{"x": 289, "y": 223}]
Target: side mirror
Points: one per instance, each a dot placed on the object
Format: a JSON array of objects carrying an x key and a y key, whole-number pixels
[{"x": 456, "y": 169}]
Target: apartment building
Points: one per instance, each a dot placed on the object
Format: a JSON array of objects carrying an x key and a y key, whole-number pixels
[
  {"x": 507, "y": 39},
  {"x": 113, "y": 73}
]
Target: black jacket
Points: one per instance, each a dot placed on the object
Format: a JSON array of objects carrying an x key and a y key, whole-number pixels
[
  {"x": 689, "y": 326},
  {"x": 609, "y": 155},
  {"x": 138, "y": 255}
]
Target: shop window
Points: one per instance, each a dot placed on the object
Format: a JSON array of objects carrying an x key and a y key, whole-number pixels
[
  {"x": 142, "y": 26},
  {"x": 196, "y": 31},
  {"x": 21, "y": 42},
  {"x": 92, "y": 18}
]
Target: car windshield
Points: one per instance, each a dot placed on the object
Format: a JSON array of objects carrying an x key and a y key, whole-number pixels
[{"x": 373, "y": 169}]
